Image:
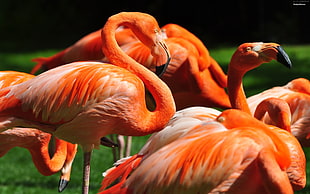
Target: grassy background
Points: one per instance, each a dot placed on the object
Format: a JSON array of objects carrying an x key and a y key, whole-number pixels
[{"x": 18, "y": 174}]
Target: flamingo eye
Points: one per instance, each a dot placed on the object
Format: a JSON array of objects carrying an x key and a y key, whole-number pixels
[{"x": 247, "y": 49}]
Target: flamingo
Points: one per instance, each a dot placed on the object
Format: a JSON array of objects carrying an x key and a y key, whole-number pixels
[
  {"x": 296, "y": 94},
  {"x": 87, "y": 48},
  {"x": 82, "y": 102},
  {"x": 221, "y": 156},
  {"x": 36, "y": 141},
  {"x": 181, "y": 132}
]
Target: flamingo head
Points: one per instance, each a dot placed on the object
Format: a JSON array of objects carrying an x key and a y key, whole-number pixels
[
  {"x": 250, "y": 55},
  {"x": 149, "y": 33},
  {"x": 145, "y": 28}
]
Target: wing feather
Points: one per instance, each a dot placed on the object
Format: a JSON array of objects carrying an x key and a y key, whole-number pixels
[
  {"x": 60, "y": 94},
  {"x": 203, "y": 159}
]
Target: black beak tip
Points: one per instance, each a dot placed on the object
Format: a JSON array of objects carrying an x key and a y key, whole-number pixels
[
  {"x": 283, "y": 58},
  {"x": 62, "y": 185},
  {"x": 104, "y": 141},
  {"x": 160, "y": 70}
]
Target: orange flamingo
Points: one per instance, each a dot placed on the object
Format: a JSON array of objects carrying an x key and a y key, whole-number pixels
[
  {"x": 202, "y": 79},
  {"x": 296, "y": 94},
  {"x": 37, "y": 142},
  {"x": 84, "y": 101},
  {"x": 180, "y": 128},
  {"x": 223, "y": 155},
  {"x": 87, "y": 48}
]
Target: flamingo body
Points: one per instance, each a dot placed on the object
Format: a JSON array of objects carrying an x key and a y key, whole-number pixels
[
  {"x": 296, "y": 94},
  {"x": 178, "y": 126},
  {"x": 85, "y": 91},
  {"x": 220, "y": 156}
]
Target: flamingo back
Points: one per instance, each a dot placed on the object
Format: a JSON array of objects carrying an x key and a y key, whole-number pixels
[
  {"x": 298, "y": 101},
  {"x": 73, "y": 92},
  {"x": 8, "y": 78},
  {"x": 202, "y": 161}
]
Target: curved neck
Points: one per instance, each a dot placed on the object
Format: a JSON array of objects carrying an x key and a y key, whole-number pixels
[
  {"x": 165, "y": 106},
  {"x": 278, "y": 110},
  {"x": 42, "y": 160},
  {"x": 236, "y": 93}
]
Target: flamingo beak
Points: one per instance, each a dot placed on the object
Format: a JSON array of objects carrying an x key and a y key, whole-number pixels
[
  {"x": 274, "y": 51},
  {"x": 160, "y": 70},
  {"x": 62, "y": 185},
  {"x": 283, "y": 58}
]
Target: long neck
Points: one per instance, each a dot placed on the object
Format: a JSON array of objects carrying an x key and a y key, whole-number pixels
[
  {"x": 41, "y": 158},
  {"x": 278, "y": 111},
  {"x": 165, "y": 107},
  {"x": 236, "y": 93}
]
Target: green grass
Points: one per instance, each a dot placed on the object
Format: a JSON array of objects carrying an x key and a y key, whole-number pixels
[{"x": 18, "y": 174}]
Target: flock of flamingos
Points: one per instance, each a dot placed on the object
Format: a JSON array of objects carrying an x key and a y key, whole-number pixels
[{"x": 133, "y": 78}]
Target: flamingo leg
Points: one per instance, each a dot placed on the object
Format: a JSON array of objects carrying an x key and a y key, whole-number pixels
[
  {"x": 114, "y": 149},
  {"x": 86, "y": 172},
  {"x": 128, "y": 146},
  {"x": 121, "y": 142}
]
